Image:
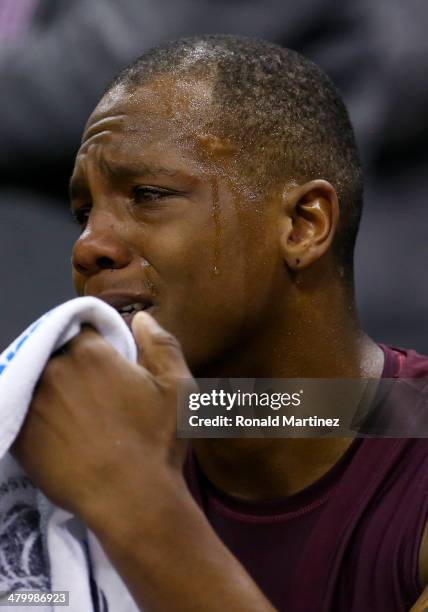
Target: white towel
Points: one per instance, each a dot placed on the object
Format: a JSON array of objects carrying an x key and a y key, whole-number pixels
[{"x": 43, "y": 546}]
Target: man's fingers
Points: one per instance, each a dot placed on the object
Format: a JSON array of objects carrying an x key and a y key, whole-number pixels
[
  {"x": 87, "y": 331},
  {"x": 89, "y": 346},
  {"x": 158, "y": 350}
]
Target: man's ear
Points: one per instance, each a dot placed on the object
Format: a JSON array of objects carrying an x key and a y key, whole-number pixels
[{"x": 311, "y": 215}]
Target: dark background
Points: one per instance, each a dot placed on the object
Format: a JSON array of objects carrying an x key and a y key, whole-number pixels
[{"x": 57, "y": 56}]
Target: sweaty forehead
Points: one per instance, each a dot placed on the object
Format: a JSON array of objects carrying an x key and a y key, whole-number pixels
[
  {"x": 167, "y": 119},
  {"x": 174, "y": 107}
]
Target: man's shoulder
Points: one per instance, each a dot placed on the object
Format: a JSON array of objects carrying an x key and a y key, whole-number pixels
[
  {"x": 405, "y": 363},
  {"x": 413, "y": 365}
]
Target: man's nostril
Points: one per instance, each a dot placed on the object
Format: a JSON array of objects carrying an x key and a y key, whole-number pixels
[{"x": 105, "y": 263}]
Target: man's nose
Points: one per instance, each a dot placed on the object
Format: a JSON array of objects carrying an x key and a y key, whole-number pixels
[{"x": 101, "y": 250}]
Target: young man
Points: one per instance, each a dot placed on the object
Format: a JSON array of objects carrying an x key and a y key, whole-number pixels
[{"x": 218, "y": 188}]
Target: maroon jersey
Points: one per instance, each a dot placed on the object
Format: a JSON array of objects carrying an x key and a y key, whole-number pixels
[{"x": 348, "y": 542}]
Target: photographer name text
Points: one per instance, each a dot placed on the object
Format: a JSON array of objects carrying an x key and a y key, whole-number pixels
[{"x": 269, "y": 421}]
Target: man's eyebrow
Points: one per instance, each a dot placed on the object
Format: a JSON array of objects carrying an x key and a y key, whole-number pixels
[
  {"x": 78, "y": 185},
  {"x": 134, "y": 169}
]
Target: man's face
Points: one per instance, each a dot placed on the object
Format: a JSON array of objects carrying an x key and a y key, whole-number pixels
[{"x": 167, "y": 226}]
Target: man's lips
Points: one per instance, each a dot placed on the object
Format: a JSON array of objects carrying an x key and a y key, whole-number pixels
[{"x": 127, "y": 304}]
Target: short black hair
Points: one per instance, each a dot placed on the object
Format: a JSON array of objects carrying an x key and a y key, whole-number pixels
[{"x": 279, "y": 107}]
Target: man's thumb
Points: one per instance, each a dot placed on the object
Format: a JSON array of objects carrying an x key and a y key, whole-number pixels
[{"x": 158, "y": 350}]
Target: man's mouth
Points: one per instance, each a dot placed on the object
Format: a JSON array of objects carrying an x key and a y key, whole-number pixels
[
  {"x": 127, "y": 305},
  {"x": 129, "y": 311},
  {"x": 135, "y": 307}
]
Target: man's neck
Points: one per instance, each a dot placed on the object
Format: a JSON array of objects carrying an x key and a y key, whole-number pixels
[
  {"x": 267, "y": 469},
  {"x": 306, "y": 334},
  {"x": 262, "y": 469}
]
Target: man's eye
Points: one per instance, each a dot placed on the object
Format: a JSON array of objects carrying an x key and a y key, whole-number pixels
[
  {"x": 81, "y": 215},
  {"x": 150, "y": 194}
]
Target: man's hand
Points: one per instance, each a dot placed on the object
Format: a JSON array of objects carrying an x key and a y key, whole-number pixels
[
  {"x": 99, "y": 426},
  {"x": 100, "y": 441}
]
